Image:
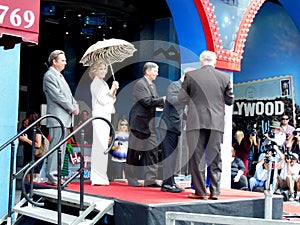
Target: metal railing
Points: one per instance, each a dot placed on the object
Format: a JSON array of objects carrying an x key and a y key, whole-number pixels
[
  {"x": 172, "y": 217},
  {"x": 31, "y": 165}
]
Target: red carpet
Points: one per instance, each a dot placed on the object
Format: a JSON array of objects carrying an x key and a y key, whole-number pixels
[{"x": 153, "y": 195}]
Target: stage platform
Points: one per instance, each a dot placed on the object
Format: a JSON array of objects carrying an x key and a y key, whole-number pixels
[{"x": 147, "y": 206}]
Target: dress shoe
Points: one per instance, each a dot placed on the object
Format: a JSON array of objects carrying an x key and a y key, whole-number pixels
[
  {"x": 214, "y": 197},
  {"x": 135, "y": 184},
  {"x": 155, "y": 185},
  {"x": 171, "y": 188},
  {"x": 55, "y": 183},
  {"x": 194, "y": 196}
]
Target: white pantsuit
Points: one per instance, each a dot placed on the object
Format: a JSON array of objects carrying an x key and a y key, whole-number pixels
[{"x": 102, "y": 106}]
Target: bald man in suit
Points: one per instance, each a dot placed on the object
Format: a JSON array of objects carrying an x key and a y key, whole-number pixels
[
  {"x": 60, "y": 103},
  {"x": 206, "y": 91}
]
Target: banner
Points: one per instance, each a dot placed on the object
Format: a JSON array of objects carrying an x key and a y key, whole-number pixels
[
  {"x": 260, "y": 101},
  {"x": 20, "y": 18}
]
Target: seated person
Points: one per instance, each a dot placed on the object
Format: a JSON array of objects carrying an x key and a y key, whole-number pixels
[
  {"x": 238, "y": 179},
  {"x": 289, "y": 175},
  {"x": 261, "y": 176}
]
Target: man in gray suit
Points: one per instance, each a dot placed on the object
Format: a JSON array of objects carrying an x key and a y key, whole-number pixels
[
  {"x": 60, "y": 103},
  {"x": 206, "y": 90}
]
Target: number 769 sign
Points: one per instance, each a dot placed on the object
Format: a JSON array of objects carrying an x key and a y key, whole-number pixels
[{"x": 20, "y": 14}]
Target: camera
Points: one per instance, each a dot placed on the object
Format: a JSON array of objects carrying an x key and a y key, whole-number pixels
[
  {"x": 270, "y": 134},
  {"x": 270, "y": 147},
  {"x": 288, "y": 155},
  {"x": 253, "y": 130},
  {"x": 267, "y": 158}
]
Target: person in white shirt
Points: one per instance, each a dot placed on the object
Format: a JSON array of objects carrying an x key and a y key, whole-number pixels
[
  {"x": 285, "y": 127},
  {"x": 262, "y": 176},
  {"x": 276, "y": 135},
  {"x": 289, "y": 174}
]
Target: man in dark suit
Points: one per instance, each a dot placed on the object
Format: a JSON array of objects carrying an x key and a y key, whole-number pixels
[
  {"x": 143, "y": 142},
  {"x": 206, "y": 90},
  {"x": 170, "y": 126}
]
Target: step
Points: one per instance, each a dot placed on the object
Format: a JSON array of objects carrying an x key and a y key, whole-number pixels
[
  {"x": 48, "y": 215},
  {"x": 101, "y": 204}
]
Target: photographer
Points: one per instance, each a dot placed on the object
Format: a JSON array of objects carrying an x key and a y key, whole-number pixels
[
  {"x": 275, "y": 135},
  {"x": 293, "y": 142},
  {"x": 263, "y": 172},
  {"x": 289, "y": 174}
]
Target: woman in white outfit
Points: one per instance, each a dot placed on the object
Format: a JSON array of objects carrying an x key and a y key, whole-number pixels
[{"x": 103, "y": 99}]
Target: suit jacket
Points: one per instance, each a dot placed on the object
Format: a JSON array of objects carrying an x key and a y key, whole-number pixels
[
  {"x": 171, "y": 117},
  {"x": 145, "y": 101},
  {"x": 60, "y": 101},
  {"x": 206, "y": 91}
]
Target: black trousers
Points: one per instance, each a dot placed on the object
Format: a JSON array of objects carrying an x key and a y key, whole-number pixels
[
  {"x": 169, "y": 155},
  {"x": 142, "y": 156}
]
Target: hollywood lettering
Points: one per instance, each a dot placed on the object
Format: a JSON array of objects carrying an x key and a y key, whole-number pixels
[{"x": 251, "y": 108}]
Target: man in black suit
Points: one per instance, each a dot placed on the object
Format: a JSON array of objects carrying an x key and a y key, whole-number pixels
[
  {"x": 142, "y": 141},
  {"x": 207, "y": 90},
  {"x": 170, "y": 126}
]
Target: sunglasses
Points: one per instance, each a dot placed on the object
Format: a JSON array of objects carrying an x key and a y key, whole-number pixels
[
  {"x": 284, "y": 118},
  {"x": 123, "y": 124}
]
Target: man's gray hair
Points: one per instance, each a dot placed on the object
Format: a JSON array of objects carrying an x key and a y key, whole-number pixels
[
  {"x": 149, "y": 66},
  {"x": 208, "y": 58},
  {"x": 54, "y": 55}
]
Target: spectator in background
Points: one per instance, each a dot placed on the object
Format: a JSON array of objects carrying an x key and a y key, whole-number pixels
[
  {"x": 88, "y": 129},
  {"x": 119, "y": 150},
  {"x": 27, "y": 138},
  {"x": 248, "y": 144},
  {"x": 293, "y": 142},
  {"x": 275, "y": 135},
  {"x": 238, "y": 179},
  {"x": 237, "y": 139},
  {"x": 285, "y": 127},
  {"x": 289, "y": 175},
  {"x": 23, "y": 126}
]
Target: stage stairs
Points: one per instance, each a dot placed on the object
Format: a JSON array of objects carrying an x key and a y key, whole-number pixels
[{"x": 94, "y": 208}]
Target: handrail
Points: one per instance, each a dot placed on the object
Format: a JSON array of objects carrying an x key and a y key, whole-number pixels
[
  {"x": 12, "y": 175},
  {"x": 80, "y": 171}
]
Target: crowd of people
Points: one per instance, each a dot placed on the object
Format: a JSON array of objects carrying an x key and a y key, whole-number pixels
[
  {"x": 198, "y": 97},
  {"x": 274, "y": 161}
]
